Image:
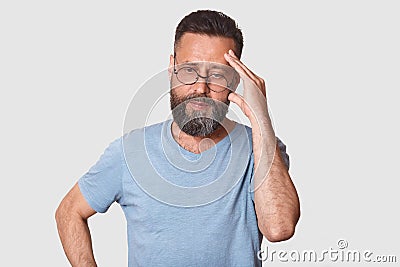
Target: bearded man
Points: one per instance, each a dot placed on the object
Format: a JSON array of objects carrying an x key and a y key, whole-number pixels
[{"x": 199, "y": 189}]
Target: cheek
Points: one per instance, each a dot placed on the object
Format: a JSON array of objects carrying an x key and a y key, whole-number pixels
[
  {"x": 223, "y": 96},
  {"x": 176, "y": 84},
  {"x": 180, "y": 90}
]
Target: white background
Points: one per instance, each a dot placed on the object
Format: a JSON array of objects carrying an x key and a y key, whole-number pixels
[{"x": 69, "y": 70}]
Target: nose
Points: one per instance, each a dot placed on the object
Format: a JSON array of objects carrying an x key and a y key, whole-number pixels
[{"x": 201, "y": 86}]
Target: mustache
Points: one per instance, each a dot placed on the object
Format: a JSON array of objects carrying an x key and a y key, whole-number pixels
[{"x": 200, "y": 98}]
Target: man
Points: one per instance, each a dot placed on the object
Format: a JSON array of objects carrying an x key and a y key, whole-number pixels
[{"x": 196, "y": 214}]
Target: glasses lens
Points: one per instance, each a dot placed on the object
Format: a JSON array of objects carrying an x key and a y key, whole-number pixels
[
  {"x": 217, "y": 82},
  {"x": 216, "y": 75},
  {"x": 187, "y": 75}
]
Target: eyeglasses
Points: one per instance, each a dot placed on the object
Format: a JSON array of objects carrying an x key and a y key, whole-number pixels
[{"x": 216, "y": 80}]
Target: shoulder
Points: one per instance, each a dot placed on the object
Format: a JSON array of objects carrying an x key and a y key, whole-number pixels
[{"x": 152, "y": 129}]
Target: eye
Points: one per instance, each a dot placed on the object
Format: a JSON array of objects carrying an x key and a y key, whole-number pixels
[
  {"x": 187, "y": 70},
  {"x": 217, "y": 76}
]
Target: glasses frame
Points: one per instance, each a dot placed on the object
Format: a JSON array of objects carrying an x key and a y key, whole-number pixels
[{"x": 228, "y": 86}]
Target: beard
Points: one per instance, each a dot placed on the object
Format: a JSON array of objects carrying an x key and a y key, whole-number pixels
[{"x": 198, "y": 122}]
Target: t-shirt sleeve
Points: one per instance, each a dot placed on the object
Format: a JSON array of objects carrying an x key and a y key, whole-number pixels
[
  {"x": 102, "y": 184},
  {"x": 284, "y": 155}
]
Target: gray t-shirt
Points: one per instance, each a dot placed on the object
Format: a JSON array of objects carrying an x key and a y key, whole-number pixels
[{"x": 182, "y": 209}]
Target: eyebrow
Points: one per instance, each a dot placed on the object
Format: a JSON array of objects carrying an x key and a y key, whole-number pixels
[
  {"x": 189, "y": 63},
  {"x": 211, "y": 66}
]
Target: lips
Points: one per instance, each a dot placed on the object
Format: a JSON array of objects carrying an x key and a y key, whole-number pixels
[{"x": 198, "y": 104}]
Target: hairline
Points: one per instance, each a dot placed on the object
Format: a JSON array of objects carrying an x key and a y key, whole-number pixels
[{"x": 177, "y": 42}]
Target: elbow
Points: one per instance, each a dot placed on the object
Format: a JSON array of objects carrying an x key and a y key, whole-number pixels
[
  {"x": 59, "y": 214},
  {"x": 278, "y": 233},
  {"x": 281, "y": 228},
  {"x": 63, "y": 212}
]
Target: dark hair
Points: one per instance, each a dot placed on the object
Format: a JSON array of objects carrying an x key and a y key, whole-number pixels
[{"x": 212, "y": 23}]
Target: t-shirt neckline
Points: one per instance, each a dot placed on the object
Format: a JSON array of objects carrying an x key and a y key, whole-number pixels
[{"x": 167, "y": 132}]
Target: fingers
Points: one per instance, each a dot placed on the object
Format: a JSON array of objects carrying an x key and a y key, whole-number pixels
[
  {"x": 239, "y": 100},
  {"x": 244, "y": 72},
  {"x": 247, "y": 70},
  {"x": 234, "y": 62}
]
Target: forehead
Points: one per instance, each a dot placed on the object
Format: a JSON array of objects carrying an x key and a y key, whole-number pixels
[{"x": 201, "y": 47}]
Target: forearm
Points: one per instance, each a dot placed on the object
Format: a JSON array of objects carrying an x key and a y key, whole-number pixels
[
  {"x": 276, "y": 201},
  {"x": 75, "y": 238}
]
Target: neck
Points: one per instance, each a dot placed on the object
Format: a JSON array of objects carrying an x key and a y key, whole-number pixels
[{"x": 199, "y": 144}]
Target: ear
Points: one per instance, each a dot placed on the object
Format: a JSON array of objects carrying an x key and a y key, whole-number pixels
[
  {"x": 171, "y": 60},
  {"x": 171, "y": 65}
]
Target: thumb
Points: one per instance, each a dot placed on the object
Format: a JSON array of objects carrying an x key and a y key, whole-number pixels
[{"x": 239, "y": 100}]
